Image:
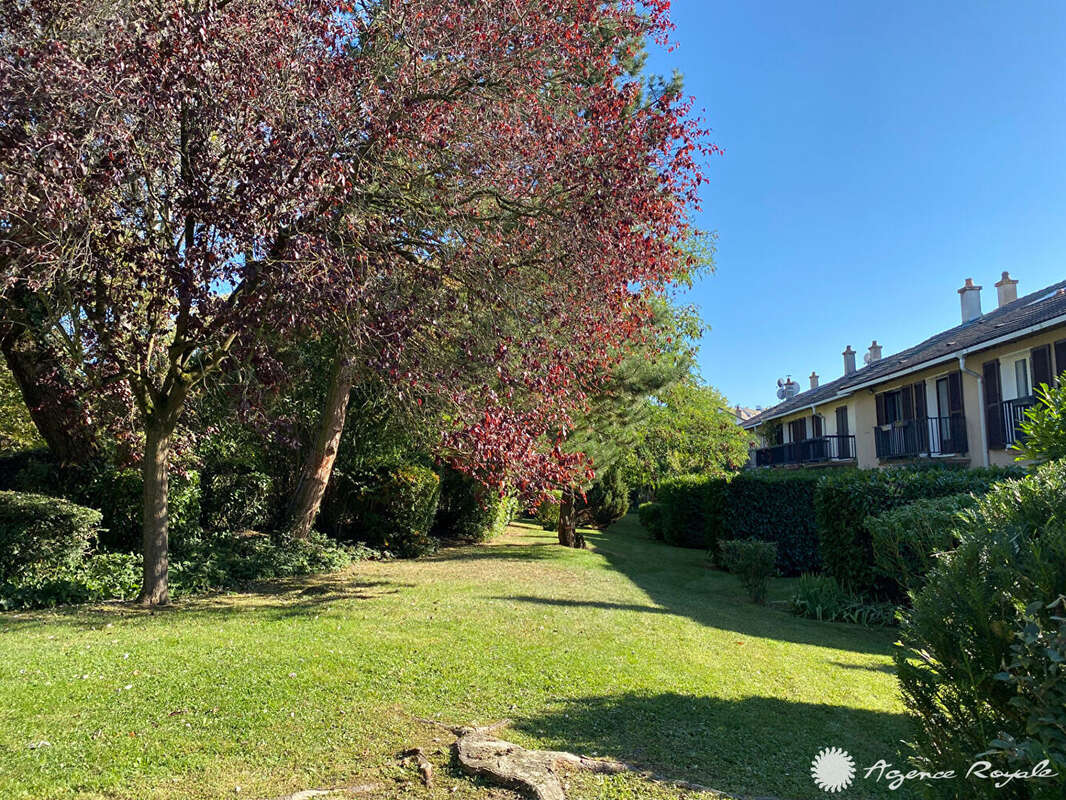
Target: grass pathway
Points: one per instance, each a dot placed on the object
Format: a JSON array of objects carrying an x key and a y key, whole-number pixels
[{"x": 632, "y": 650}]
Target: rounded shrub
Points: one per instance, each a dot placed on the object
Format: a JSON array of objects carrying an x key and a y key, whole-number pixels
[
  {"x": 470, "y": 511},
  {"x": 607, "y": 500},
  {"x": 42, "y": 535},
  {"x": 981, "y": 662},
  {"x": 753, "y": 562}
]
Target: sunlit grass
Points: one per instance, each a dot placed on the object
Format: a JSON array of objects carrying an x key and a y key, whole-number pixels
[{"x": 632, "y": 650}]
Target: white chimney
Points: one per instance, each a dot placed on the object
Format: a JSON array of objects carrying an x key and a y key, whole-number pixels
[
  {"x": 970, "y": 296},
  {"x": 814, "y": 380},
  {"x": 1008, "y": 289},
  {"x": 849, "y": 360},
  {"x": 874, "y": 354}
]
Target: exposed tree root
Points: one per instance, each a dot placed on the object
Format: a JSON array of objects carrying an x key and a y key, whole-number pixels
[{"x": 538, "y": 773}]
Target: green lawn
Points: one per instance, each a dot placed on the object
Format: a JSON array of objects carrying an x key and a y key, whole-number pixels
[{"x": 632, "y": 649}]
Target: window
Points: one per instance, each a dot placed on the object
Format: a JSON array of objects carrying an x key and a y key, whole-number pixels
[
  {"x": 1021, "y": 377},
  {"x": 893, "y": 407},
  {"x": 943, "y": 404}
]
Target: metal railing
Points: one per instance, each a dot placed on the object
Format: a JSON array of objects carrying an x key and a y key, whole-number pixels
[
  {"x": 1013, "y": 416},
  {"x": 914, "y": 438},
  {"x": 819, "y": 450}
]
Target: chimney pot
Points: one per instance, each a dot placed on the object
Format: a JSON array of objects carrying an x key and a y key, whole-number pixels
[
  {"x": 970, "y": 298},
  {"x": 849, "y": 360},
  {"x": 875, "y": 352},
  {"x": 814, "y": 380},
  {"x": 1007, "y": 288}
]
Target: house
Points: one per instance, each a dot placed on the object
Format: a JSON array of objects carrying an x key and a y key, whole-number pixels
[
  {"x": 742, "y": 414},
  {"x": 958, "y": 396}
]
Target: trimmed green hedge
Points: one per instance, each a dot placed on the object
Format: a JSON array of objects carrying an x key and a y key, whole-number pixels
[
  {"x": 651, "y": 517},
  {"x": 692, "y": 507},
  {"x": 906, "y": 540},
  {"x": 778, "y": 507},
  {"x": 984, "y": 646},
  {"x": 41, "y": 534},
  {"x": 844, "y": 501},
  {"x": 775, "y": 506}
]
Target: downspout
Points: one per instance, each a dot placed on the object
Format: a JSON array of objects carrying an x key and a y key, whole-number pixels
[{"x": 981, "y": 401}]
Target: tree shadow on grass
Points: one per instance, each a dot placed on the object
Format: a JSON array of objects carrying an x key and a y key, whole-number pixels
[
  {"x": 276, "y": 599},
  {"x": 681, "y": 582},
  {"x": 753, "y": 746}
]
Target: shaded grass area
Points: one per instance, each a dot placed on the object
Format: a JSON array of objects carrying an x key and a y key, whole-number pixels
[{"x": 632, "y": 650}]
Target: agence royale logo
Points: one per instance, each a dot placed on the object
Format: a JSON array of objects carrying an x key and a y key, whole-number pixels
[{"x": 833, "y": 770}]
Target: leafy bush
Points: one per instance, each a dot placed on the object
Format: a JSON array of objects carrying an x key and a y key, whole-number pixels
[
  {"x": 42, "y": 535},
  {"x": 548, "y": 511},
  {"x": 821, "y": 597},
  {"x": 236, "y": 499},
  {"x": 692, "y": 507},
  {"x": 1036, "y": 675},
  {"x": 844, "y": 501},
  {"x": 392, "y": 509},
  {"x": 651, "y": 517},
  {"x": 993, "y": 602},
  {"x": 775, "y": 506},
  {"x": 753, "y": 562},
  {"x": 1044, "y": 427},
  {"x": 97, "y": 577},
  {"x": 470, "y": 511},
  {"x": 607, "y": 500},
  {"x": 119, "y": 494},
  {"x": 232, "y": 560},
  {"x": 907, "y": 540}
]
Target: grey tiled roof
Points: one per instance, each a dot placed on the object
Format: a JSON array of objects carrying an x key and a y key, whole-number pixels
[{"x": 1032, "y": 309}]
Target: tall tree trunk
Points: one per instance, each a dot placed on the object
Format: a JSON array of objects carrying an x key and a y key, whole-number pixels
[
  {"x": 156, "y": 468},
  {"x": 318, "y": 467},
  {"x": 569, "y": 535},
  {"x": 50, "y": 398}
]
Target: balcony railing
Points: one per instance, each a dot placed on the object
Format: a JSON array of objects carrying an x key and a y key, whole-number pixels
[
  {"x": 1013, "y": 416},
  {"x": 819, "y": 450},
  {"x": 915, "y": 438}
]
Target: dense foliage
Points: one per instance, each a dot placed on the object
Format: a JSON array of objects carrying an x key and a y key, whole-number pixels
[
  {"x": 689, "y": 429},
  {"x": 752, "y": 561},
  {"x": 691, "y": 508},
  {"x": 821, "y": 597},
  {"x": 1043, "y": 430},
  {"x": 469, "y": 511},
  {"x": 907, "y": 540},
  {"x": 845, "y": 500},
  {"x": 778, "y": 507},
  {"x": 41, "y": 533},
  {"x": 651, "y": 518},
  {"x": 775, "y": 506},
  {"x": 17, "y": 431},
  {"x": 981, "y": 663}
]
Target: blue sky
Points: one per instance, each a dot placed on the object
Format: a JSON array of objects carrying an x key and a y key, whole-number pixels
[{"x": 876, "y": 155}]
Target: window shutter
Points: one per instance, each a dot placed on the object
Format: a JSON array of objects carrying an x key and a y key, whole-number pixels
[
  {"x": 1041, "y": 364},
  {"x": 1060, "y": 357},
  {"x": 816, "y": 426},
  {"x": 919, "y": 400},
  {"x": 907, "y": 401},
  {"x": 842, "y": 421},
  {"x": 993, "y": 409},
  {"x": 955, "y": 393},
  {"x": 881, "y": 408}
]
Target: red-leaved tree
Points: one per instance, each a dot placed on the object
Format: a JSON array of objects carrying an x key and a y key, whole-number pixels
[{"x": 471, "y": 197}]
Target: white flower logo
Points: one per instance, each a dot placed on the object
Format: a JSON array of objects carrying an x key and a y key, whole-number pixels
[{"x": 833, "y": 769}]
